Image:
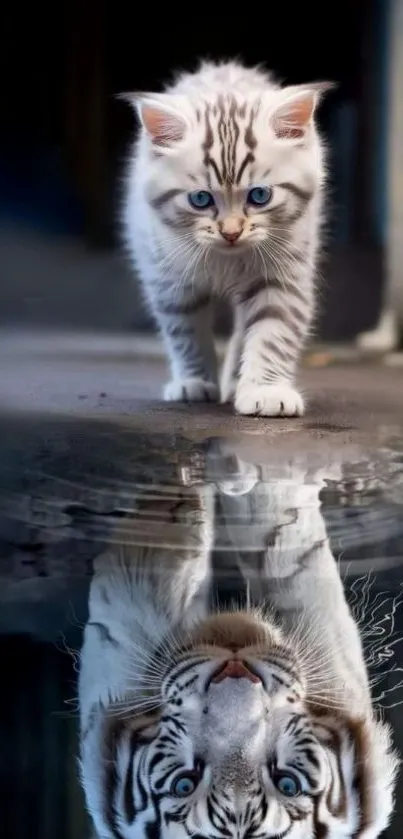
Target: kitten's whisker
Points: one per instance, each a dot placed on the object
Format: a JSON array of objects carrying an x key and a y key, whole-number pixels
[
  {"x": 272, "y": 258},
  {"x": 182, "y": 251}
]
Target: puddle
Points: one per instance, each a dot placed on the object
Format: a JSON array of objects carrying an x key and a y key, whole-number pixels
[{"x": 122, "y": 553}]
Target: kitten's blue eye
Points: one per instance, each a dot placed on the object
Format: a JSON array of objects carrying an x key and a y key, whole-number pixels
[
  {"x": 288, "y": 785},
  {"x": 260, "y": 195},
  {"x": 184, "y": 785},
  {"x": 201, "y": 199}
]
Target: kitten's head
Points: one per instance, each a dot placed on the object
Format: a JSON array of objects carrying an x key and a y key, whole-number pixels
[{"x": 232, "y": 170}]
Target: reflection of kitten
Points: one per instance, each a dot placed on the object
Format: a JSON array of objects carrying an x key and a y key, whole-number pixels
[
  {"x": 255, "y": 722},
  {"x": 224, "y": 200}
]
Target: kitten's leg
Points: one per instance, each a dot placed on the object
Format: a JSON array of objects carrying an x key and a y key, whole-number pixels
[
  {"x": 232, "y": 359},
  {"x": 276, "y": 323},
  {"x": 385, "y": 336},
  {"x": 188, "y": 337}
]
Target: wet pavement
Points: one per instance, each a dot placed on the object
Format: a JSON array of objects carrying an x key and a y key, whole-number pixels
[
  {"x": 104, "y": 471},
  {"x": 122, "y": 380}
]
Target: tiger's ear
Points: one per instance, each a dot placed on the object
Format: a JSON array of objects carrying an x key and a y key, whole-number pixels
[
  {"x": 161, "y": 120},
  {"x": 375, "y": 771},
  {"x": 293, "y": 116}
]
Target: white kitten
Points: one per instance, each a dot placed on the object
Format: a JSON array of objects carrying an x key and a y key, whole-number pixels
[{"x": 224, "y": 200}]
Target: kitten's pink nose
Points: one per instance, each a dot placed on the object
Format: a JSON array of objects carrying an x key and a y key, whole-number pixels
[
  {"x": 231, "y": 229},
  {"x": 231, "y": 236}
]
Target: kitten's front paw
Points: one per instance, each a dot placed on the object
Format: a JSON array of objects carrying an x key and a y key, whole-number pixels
[
  {"x": 190, "y": 390},
  {"x": 268, "y": 400},
  {"x": 227, "y": 391}
]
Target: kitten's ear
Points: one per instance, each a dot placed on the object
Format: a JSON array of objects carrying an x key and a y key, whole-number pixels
[
  {"x": 163, "y": 123},
  {"x": 293, "y": 116}
]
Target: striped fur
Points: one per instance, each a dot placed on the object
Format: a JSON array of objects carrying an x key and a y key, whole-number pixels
[
  {"x": 149, "y": 710},
  {"x": 225, "y": 129}
]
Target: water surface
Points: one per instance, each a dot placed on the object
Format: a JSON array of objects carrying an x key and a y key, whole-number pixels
[{"x": 71, "y": 490}]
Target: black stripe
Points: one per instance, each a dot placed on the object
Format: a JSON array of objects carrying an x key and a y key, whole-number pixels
[
  {"x": 128, "y": 802},
  {"x": 160, "y": 782},
  {"x": 187, "y": 307},
  {"x": 167, "y": 740},
  {"x": 223, "y": 137},
  {"x": 276, "y": 661},
  {"x": 140, "y": 786},
  {"x": 281, "y": 354},
  {"x": 182, "y": 669},
  {"x": 180, "y": 221},
  {"x": 301, "y": 194},
  {"x": 212, "y": 814},
  {"x": 278, "y": 679},
  {"x": 293, "y": 721},
  {"x": 178, "y": 724},
  {"x": 104, "y": 633},
  {"x": 153, "y": 830},
  {"x": 306, "y": 740},
  {"x": 112, "y": 739},
  {"x": 266, "y": 312},
  {"x": 164, "y": 197},
  {"x": 179, "y": 330},
  {"x": 91, "y": 719},
  {"x": 320, "y": 828},
  {"x": 104, "y": 595},
  {"x": 311, "y": 757},
  {"x": 282, "y": 315},
  {"x": 296, "y": 292},
  {"x": 248, "y": 159},
  {"x": 255, "y": 288},
  {"x": 210, "y": 162}
]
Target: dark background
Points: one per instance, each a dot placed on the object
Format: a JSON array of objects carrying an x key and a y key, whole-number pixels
[{"x": 64, "y": 137}]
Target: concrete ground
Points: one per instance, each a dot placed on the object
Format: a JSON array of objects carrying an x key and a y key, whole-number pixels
[
  {"x": 121, "y": 378},
  {"x": 63, "y": 487}
]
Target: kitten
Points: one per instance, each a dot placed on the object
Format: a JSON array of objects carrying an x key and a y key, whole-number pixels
[{"x": 224, "y": 200}]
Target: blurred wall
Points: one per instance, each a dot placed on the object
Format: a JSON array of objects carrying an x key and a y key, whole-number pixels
[
  {"x": 64, "y": 138},
  {"x": 395, "y": 159}
]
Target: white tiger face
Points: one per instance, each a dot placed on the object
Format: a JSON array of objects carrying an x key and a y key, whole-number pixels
[
  {"x": 239, "y": 755},
  {"x": 237, "y": 752}
]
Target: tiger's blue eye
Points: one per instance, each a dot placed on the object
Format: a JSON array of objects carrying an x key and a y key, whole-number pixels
[
  {"x": 260, "y": 195},
  {"x": 184, "y": 785},
  {"x": 201, "y": 199},
  {"x": 288, "y": 785}
]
